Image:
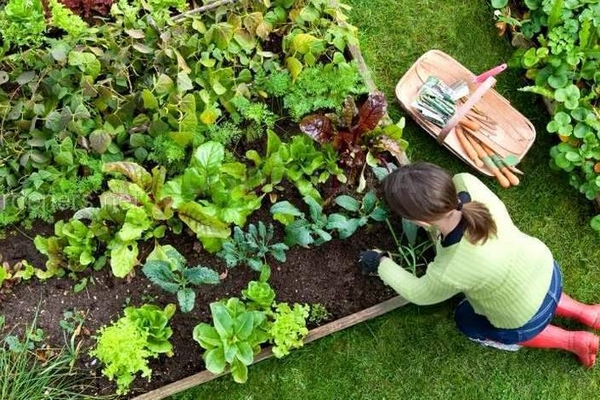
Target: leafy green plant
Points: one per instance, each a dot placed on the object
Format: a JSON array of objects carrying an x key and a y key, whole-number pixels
[
  {"x": 298, "y": 229},
  {"x": 318, "y": 313},
  {"x": 73, "y": 247},
  {"x": 233, "y": 339},
  {"x": 323, "y": 87},
  {"x": 154, "y": 321},
  {"x": 122, "y": 348},
  {"x": 72, "y": 320},
  {"x": 366, "y": 210},
  {"x": 252, "y": 247},
  {"x": 289, "y": 328},
  {"x": 260, "y": 294},
  {"x": 126, "y": 345},
  {"x": 299, "y": 161},
  {"x": 211, "y": 194},
  {"x": 168, "y": 269}
]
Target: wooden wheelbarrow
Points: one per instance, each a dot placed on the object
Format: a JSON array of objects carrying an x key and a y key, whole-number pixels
[{"x": 500, "y": 132}]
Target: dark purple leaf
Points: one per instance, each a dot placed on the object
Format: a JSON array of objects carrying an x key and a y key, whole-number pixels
[
  {"x": 369, "y": 114},
  {"x": 318, "y": 127}
]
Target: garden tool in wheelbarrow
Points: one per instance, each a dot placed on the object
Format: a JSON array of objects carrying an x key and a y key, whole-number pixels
[
  {"x": 438, "y": 103},
  {"x": 463, "y": 112}
]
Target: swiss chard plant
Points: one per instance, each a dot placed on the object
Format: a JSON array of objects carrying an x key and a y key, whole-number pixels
[
  {"x": 168, "y": 269},
  {"x": 252, "y": 247},
  {"x": 355, "y": 132},
  {"x": 211, "y": 194}
]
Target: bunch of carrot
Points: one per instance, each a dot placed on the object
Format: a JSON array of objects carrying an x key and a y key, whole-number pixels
[{"x": 482, "y": 155}]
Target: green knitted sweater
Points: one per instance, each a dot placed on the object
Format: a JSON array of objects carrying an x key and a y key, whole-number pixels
[{"x": 505, "y": 279}]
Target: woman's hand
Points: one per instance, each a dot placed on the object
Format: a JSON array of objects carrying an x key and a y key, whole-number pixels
[{"x": 368, "y": 260}]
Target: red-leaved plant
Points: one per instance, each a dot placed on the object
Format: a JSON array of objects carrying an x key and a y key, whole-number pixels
[
  {"x": 355, "y": 131},
  {"x": 87, "y": 9}
]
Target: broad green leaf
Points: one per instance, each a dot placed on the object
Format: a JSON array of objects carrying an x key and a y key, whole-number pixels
[
  {"x": 187, "y": 299},
  {"x": 202, "y": 224},
  {"x": 135, "y": 172},
  {"x": 201, "y": 275},
  {"x": 294, "y": 66},
  {"x": 123, "y": 257},
  {"x": 348, "y": 203},
  {"x": 164, "y": 84},
  {"x": 239, "y": 371},
  {"x": 184, "y": 83},
  {"x": 207, "y": 336},
  {"x": 150, "y": 102},
  {"x": 284, "y": 212},
  {"x": 215, "y": 360},
  {"x": 369, "y": 202},
  {"x": 244, "y": 323},
  {"x": 245, "y": 353},
  {"x": 209, "y": 156},
  {"x": 159, "y": 272},
  {"x": 142, "y": 48},
  {"x": 222, "y": 320}
]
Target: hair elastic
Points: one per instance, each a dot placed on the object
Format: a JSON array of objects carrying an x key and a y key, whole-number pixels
[{"x": 459, "y": 206}]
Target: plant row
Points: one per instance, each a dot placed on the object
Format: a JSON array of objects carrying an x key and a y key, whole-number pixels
[{"x": 559, "y": 46}]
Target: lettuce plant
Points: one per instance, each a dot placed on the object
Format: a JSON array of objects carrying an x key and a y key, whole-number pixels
[
  {"x": 288, "y": 328},
  {"x": 355, "y": 131},
  {"x": 259, "y": 293},
  {"x": 233, "y": 339},
  {"x": 125, "y": 346}
]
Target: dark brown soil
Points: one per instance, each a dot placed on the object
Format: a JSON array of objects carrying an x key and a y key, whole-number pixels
[{"x": 327, "y": 275}]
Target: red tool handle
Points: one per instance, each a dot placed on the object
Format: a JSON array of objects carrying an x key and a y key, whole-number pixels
[{"x": 492, "y": 72}]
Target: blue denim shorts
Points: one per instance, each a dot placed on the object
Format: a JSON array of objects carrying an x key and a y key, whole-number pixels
[{"x": 477, "y": 326}]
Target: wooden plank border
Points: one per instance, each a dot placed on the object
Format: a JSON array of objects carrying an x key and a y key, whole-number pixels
[{"x": 317, "y": 333}]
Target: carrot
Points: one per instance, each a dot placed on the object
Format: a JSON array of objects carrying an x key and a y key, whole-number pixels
[
  {"x": 512, "y": 178},
  {"x": 469, "y": 124},
  {"x": 504, "y": 182},
  {"x": 468, "y": 147}
]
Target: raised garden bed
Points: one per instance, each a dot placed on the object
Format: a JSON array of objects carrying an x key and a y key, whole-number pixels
[{"x": 325, "y": 275}]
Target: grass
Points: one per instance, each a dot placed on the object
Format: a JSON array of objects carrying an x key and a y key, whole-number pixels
[{"x": 416, "y": 352}]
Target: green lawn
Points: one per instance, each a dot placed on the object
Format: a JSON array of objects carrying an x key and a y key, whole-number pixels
[{"x": 415, "y": 352}]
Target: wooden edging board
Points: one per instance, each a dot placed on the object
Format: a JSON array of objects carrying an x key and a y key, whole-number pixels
[{"x": 317, "y": 333}]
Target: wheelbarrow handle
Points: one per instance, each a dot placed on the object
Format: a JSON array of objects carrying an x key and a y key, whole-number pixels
[{"x": 492, "y": 72}]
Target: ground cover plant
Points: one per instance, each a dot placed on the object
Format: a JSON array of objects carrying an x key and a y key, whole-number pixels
[{"x": 143, "y": 158}]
